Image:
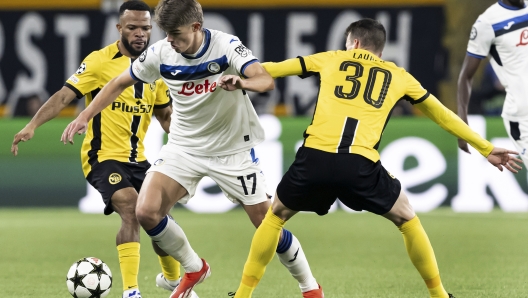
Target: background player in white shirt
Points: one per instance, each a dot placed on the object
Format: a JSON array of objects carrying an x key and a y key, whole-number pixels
[
  {"x": 212, "y": 133},
  {"x": 502, "y": 32}
]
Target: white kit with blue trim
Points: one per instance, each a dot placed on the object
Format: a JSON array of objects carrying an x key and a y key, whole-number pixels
[
  {"x": 502, "y": 32},
  {"x": 206, "y": 119}
]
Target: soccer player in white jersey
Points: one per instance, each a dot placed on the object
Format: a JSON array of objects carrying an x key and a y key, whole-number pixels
[
  {"x": 212, "y": 133},
  {"x": 502, "y": 32}
]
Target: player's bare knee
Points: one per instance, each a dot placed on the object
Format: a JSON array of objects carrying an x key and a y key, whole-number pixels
[{"x": 147, "y": 218}]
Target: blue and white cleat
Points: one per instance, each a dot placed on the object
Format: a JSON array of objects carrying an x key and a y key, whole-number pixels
[{"x": 162, "y": 282}]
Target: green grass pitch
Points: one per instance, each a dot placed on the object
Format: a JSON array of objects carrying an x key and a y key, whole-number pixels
[{"x": 351, "y": 255}]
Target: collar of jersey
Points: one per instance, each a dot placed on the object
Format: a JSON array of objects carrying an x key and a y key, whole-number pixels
[
  {"x": 205, "y": 47},
  {"x": 511, "y": 7}
]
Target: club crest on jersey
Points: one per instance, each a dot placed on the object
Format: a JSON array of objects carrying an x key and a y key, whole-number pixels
[
  {"x": 152, "y": 86},
  {"x": 81, "y": 68},
  {"x": 213, "y": 67},
  {"x": 143, "y": 56},
  {"x": 242, "y": 51},
  {"x": 114, "y": 178},
  {"x": 473, "y": 33}
]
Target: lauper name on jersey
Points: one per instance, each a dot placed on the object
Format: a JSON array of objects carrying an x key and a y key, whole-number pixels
[
  {"x": 139, "y": 109},
  {"x": 191, "y": 88}
]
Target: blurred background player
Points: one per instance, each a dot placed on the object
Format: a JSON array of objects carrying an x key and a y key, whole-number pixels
[
  {"x": 339, "y": 157},
  {"x": 112, "y": 153},
  {"x": 212, "y": 135},
  {"x": 502, "y": 32}
]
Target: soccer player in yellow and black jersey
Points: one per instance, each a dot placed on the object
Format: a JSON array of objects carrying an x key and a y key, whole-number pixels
[
  {"x": 112, "y": 153},
  {"x": 339, "y": 157}
]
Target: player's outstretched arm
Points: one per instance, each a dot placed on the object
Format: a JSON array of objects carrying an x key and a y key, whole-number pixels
[
  {"x": 48, "y": 111},
  {"x": 258, "y": 80},
  {"x": 105, "y": 97},
  {"x": 465, "y": 79},
  {"x": 500, "y": 157}
]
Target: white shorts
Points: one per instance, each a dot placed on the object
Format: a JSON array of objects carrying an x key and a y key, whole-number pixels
[
  {"x": 238, "y": 175},
  {"x": 518, "y": 133}
]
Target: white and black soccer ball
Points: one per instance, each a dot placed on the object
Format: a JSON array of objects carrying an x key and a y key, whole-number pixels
[{"x": 89, "y": 278}]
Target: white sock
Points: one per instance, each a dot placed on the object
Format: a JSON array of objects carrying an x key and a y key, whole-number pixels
[
  {"x": 173, "y": 241},
  {"x": 292, "y": 256}
]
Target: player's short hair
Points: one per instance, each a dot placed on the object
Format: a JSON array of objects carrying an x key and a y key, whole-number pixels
[
  {"x": 171, "y": 14},
  {"x": 133, "y": 5},
  {"x": 370, "y": 32}
]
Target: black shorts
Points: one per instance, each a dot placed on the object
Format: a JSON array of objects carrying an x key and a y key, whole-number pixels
[
  {"x": 110, "y": 176},
  {"x": 317, "y": 178}
]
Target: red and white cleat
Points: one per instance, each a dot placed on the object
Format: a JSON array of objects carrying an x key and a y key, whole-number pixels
[
  {"x": 189, "y": 280},
  {"x": 318, "y": 293}
]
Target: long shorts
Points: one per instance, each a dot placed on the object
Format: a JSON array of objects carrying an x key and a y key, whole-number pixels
[
  {"x": 518, "y": 133},
  {"x": 317, "y": 178},
  {"x": 110, "y": 176},
  {"x": 238, "y": 175}
]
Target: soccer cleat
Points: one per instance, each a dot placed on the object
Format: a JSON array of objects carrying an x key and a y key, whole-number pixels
[
  {"x": 134, "y": 293},
  {"x": 189, "y": 280},
  {"x": 162, "y": 282},
  {"x": 317, "y": 293}
]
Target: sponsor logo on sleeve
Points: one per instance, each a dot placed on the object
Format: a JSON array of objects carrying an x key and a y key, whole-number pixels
[
  {"x": 242, "y": 51},
  {"x": 74, "y": 79},
  {"x": 143, "y": 56},
  {"x": 473, "y": 33},
  {"x": 81, "y": 68}
]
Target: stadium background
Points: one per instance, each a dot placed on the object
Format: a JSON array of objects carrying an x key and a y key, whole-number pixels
[
  {"x": 480, "y": 254},
  {"x": 43, "y": 42}
]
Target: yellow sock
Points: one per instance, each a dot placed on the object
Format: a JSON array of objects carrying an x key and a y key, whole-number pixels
[
  {"x": 261, "y": 253},
  {"x": 129, "y": 263},
  {"x": 169, "y": 267},
  {"x": 422, "y": 256}
]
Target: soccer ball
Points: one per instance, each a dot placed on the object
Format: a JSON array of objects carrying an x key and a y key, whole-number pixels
[{"x": 89, "y": 278}]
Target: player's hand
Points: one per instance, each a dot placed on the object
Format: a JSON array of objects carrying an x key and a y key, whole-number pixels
[
  {"x": 501, "y": 157},
  {"x": 79, "y": 126},
  {"x": 463, "y": 145},
  {"x": 230, "y": 82},
  {"x": 24, "y": 135}
]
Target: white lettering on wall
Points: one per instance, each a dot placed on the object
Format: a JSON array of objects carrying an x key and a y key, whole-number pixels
[
  {"x": 217, "y": 21},
  {"x": 336, "y": 38},
  {"x": 476, "y": 174},
  {"x": 256, "y": 35},
  {"x": 31, "y": 25},
  {"x": 73, "y": 28},
  {"x": 431, "y": 164},
  {"x": 110, "y": 32},
  {"x": 398, "y": 50},
  {"x": 298, "y": 25}
]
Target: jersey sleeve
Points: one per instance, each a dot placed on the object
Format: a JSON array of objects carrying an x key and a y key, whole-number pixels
[
  {"x": 163, "y": 98},
  {"x": 414, "y": 92},
  {"x": 86, "y": 78},
  {"x": 290, "y": 67},
  {"x": 146, "y": 67},
  {"x": 238, "y": 55},
  {"x": 480, "y": 39},
  {"x": 313, "y": 64},
  {"x": 450, "y": 122}
]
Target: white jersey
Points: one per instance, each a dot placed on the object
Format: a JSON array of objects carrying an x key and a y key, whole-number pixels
[
  {"x": 206, "y": 119},
  {"x": 502, "y": 32}
]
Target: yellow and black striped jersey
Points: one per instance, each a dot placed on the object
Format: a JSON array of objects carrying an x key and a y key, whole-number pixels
[
  {"x": 117, "y": 133},
  {"x": 358, "y": 91}
]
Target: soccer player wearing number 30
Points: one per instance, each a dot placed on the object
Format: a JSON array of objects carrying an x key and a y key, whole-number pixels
[
  {"x": 339, "y": 157},
  {"x": 213, "y": 130}
]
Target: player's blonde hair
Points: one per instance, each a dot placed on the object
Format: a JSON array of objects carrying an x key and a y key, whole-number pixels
[{"x": 172, "y": 14}]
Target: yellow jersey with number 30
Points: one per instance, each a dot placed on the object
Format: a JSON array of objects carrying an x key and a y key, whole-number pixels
[
  {"x": 358, "y": 91},
  {"x": 117, "y": 133}
]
